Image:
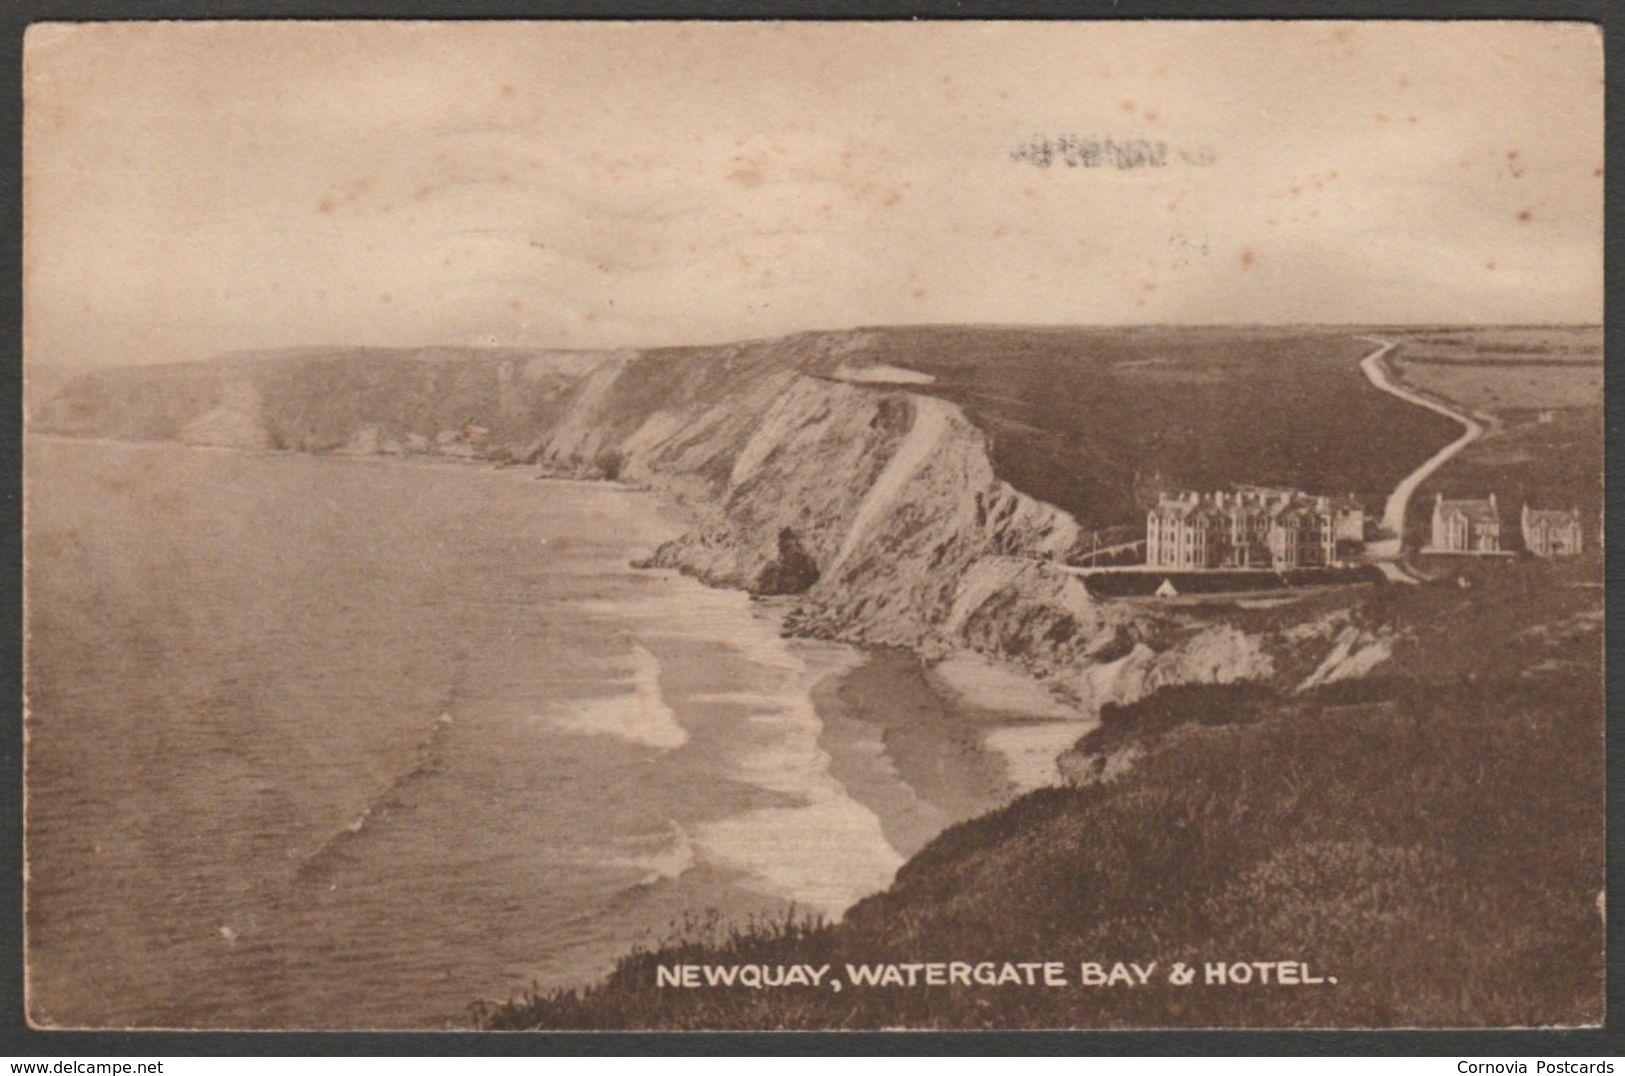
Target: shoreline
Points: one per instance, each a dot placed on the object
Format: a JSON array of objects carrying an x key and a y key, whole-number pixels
[
  {"x": 909, "y": 752},
  {"x": 919, "y": 747}
]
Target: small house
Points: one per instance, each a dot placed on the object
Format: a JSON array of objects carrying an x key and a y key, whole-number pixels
[
  {"x": 1465, "y": 526},
  {"x": 1551, "y": 532}
]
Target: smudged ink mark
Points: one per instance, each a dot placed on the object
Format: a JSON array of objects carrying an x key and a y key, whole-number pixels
[{"x": 1074, "y": 151}]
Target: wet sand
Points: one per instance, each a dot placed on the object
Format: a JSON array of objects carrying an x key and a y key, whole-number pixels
[{"x": 914, "y": 755}]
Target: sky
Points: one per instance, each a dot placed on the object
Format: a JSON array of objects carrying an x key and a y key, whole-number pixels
[{"x": 192, "y": 188}]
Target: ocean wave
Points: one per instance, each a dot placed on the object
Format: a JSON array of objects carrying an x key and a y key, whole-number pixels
[
  {"x": 640, "y": 716},
  {"x": 826, "y": 855},
  {"x": 674, "y": 858},
  {"x": 824, "y": 850},
  {"x": 429, "y": 755}
]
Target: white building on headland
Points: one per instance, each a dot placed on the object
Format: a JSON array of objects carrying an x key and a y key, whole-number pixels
[
  {"x": 1550, "y": 532},
  {"x": 1465, "y": 525},
  {"x": 1252, "y": 527}
]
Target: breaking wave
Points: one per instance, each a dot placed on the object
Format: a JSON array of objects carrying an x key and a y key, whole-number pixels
[
  {"x": 430, "y": 753},
  {"x": 640, "y": 716},
  {"x": 670, "y": 861}
]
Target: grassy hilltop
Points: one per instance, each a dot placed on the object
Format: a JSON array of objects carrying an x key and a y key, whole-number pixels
[
  {"x": 1090, "y": 420},
  {"x": 1094, "y": 420},
  {"x": 1431, "y": 836},
  {"x": 1539, "y": 393}
]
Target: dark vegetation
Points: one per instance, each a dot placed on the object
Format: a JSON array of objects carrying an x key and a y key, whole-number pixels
[
  {"x": 1097, "y": 420},
  {"x": 1091, "y": 420},
  {"x": 1395, "y": 832},
  {"x": 1145, "y": 722},
  {"x": 1143, "y": 584}
]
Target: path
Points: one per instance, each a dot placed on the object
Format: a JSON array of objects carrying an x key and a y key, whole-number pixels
[{"x": 1384, "y": 552}]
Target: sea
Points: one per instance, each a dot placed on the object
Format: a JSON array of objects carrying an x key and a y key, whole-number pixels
[{"x": 320, "y": 742}]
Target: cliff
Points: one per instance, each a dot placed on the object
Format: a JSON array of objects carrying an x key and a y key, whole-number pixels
[
  {"x": 823, "y": 465},
  {"x": 882, "y": 500}
]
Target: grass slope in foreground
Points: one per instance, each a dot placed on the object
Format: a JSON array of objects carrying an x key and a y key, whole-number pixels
[{"x": 1431, "y": 836}]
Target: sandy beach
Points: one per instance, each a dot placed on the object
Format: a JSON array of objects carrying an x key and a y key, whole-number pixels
[
  {"x": 927, "y": 746},
  {"x": 912, "y": 754}
]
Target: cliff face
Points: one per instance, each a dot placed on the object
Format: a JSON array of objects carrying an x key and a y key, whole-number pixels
[
  {"x": 809, "y": 467},
  {"x": 872, "y": 501}
]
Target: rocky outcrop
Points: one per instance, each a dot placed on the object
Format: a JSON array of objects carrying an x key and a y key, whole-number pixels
[{"x": 871, "y": 501}]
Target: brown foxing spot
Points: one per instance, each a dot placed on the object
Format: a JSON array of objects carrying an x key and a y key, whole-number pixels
[
  {"x": 1490, "y": 265},
  {"x": 1525, "y": 216},
  {"x": 1248, "y": 257},
  {"x": 1128, "y": 106}
]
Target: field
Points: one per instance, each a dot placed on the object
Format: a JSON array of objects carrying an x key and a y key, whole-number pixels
[
  {"x": 1096, "y": 420},
  {"x": 1092, "y": 420},
  {"x": 1540, "y": 392}
]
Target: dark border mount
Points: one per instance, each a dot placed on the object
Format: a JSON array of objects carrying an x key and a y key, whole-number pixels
[
  {"x": 16, "y": 1038},
  {"x": 28, "y": 11}
]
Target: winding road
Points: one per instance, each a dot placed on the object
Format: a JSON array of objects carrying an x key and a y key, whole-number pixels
[{"x": 1383, "y": 553}]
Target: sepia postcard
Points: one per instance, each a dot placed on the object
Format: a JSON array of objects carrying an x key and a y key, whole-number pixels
[{"x": 801, "y": 526}]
